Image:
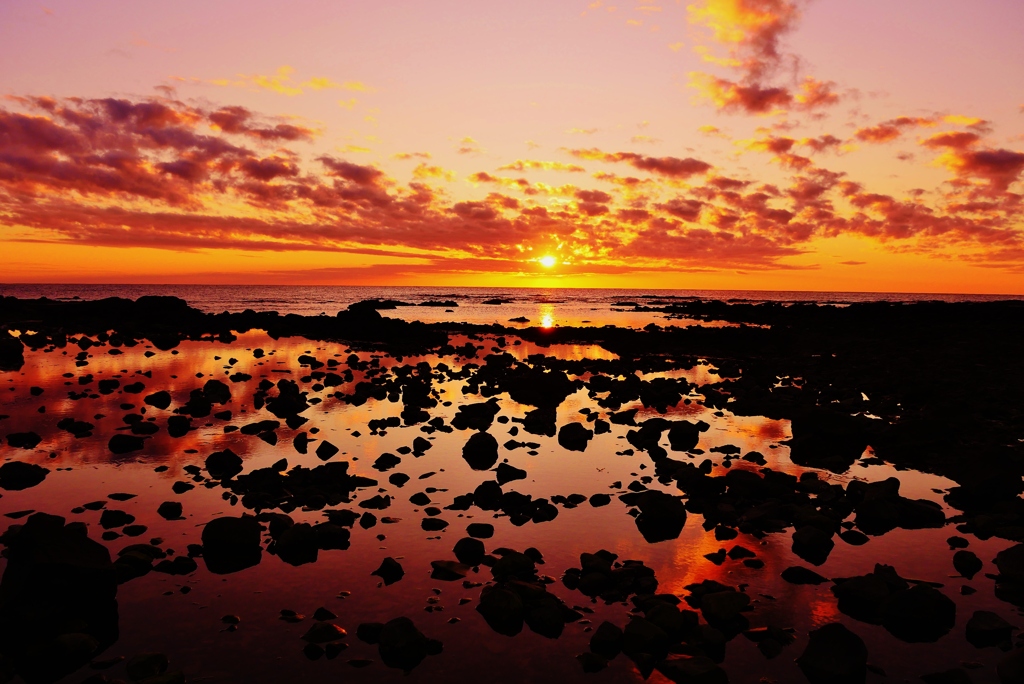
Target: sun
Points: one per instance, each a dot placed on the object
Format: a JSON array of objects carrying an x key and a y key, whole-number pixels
[{"x": 547, "y": 261}]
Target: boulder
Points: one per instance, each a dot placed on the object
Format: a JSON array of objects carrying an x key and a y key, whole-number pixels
[
  {"x": 834, "y": 655},
  {"x": 231, "y": 544}
]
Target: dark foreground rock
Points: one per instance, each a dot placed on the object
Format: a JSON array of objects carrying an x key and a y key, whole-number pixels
[{"x": 58, "y": 606}]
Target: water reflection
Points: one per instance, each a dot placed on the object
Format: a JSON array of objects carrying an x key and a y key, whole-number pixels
[{"x": 363, "y": 411}]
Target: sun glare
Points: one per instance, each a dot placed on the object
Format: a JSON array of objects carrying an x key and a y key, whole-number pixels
[{"x": 547, "y": 261}]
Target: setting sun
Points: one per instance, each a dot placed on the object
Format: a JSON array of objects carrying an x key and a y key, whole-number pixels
[{"x": 547, "y": 261}]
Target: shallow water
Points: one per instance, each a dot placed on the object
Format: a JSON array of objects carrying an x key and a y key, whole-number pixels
[{"x": 156, "y": 616}]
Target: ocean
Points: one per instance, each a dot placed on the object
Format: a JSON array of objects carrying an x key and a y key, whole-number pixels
[{"x": 540, "y": 306}]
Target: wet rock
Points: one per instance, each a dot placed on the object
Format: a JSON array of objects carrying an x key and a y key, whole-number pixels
[
  {"x": 57, "y": 598},
  {"x": 297, "y": 545},
  {"x": 111, "y": 518},
  {"x": 476, "y": 416},
  {"x": 834, "y": 655},
  {"x": 853, "y": 537},
  {"x": 180, "y": 565},
  {"x": 722, "y": 608},
  {"x": 480, "y": 451},
  {"x": 1010, "y": 563},
  {"x": 160, "y": 400},
  {"x": 390, "y": 571},
  {"x": 813, "y": 545},
  {"x": 606, "y": 640},
  {"x": 433, "y": 524},
  {"x": 967, "y": 563},
  {"x": 684, "y": 435},
  {"x": 480, "y": 530},
  {"x": 402, "y": 646},
  {"x": 800, "y": 575},
  {"x": 591, "y": 662},
  {"x": 448, "y": 571},
  {"x": 662, "y": 515},
  {"x": 954, "y": 676},
  {"x": 15, "y": 475},
  {"x": 386, "y": 462},
  {"x": 369, "y": 632},
  {"x": 598, "y": 500},
  {"x": 23, "y": 440},
  {"x": 323, "y": 632},
  {"x": 687, "y": 669},
  {"x": 123, "y": 444},
  {"x": 919, "y": 614},
  {"x": 12, "y": 353},
  {"x": 145, "y": 666},
  {"x": 231, "y": 544},
  {"x": 222, "y": 465},
  {"x": 1010, "y": 668},
  {"x": 506, "y": 473},
  {"x": 469, "y": 551},
  {"x": 988, "y": 629},
  {"x": 574, "y": 437},
  {"x": 326, "y": 451},
  {"x": 178, "y": 426},
  {"x": 502, "y": 609}
]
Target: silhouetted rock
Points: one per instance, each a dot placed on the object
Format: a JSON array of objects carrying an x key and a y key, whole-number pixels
[
  {"x": 834, "y": 655},
  {"x": 124, "y": 444},
  {"x": 57, "y": 599},
  {"x": 480, "y": 451},
  {"x": 16, "y": 475},
  {"x": 223, "y": 464},
  {"x": 390, "y": 571},
  {"x": 574, "y": 437},
  {"x": 231, "y": 544}
]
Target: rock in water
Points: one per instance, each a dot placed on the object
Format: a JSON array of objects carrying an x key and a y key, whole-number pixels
[
  {"x": 58, "y": 604},
  {"x": 662, "y": 516},
  {"x": 15, "y": 475},
  {"x": 390, "y": 571},
  {"x": 480, "y": 451},
  {"x": 123, "y": 444},
  {"x": 403, "y": 646},
  {"x": 834, "y": 655},
  {"x": 231, "y": 544},
  {"x": 988, "y": 629},
  {"x": 967, "y": 563},
  {"x": 574, "y": 437},
  {"x": 223, "y": 465}
]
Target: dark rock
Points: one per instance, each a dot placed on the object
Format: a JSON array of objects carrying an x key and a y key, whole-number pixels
[
  {"x": 160, "y": 400},
  {"x": 813, "y": 545},
  {"x": 15, "y": 475},
  {"x": 469, "y": 551},
  {"x": 323, "y": 632},
  {"x": 834, "y": 655},
  {"x": 954, "y": 676},
  {"x": 170, "y": 510},
  {"x": 662, "y": 515},
  {"x": 919, "y": 614},
  {"x": 297, "y": 545},
  {"x": 222, "y": 465},
  {"x": 390, "y": 571},
  {"x": 57, "y": 599},
  {"x": 231, "y": 544},
  {"x": 480, "y": 451},
  {"x": 967, "y": 563},
  {"x": 480, "y": 530},
  {"x": 801, "y": 575},
  {"x": 502, "y": 609},
  {"x": 123, "y": 444},
  {"x": 692, "y": 670},
  {"x": 574, "y": 437},
  {"x": 326, "y": 451},
  {"x": 606, "y": 640},
  {"x": 23, "y": 440},
  {"x": 988, "y": 629},
  {"x": 402, "y": 646},
  {"x": 178, "y": 426},
  {"x": 111, "y": 518}
]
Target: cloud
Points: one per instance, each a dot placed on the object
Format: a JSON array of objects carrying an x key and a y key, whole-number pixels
[
  {"x": 750, "y": 31},
  {"x": 890, "y": 130},
  {"x": 164, "y": 174},
  {"x": 533, "y": 165},
  {"x": 411, "y": 155},
  {"x": 671, "y": 167},
  {"x": 281, "y": 82},
  {"x": 730, "y": 96}
]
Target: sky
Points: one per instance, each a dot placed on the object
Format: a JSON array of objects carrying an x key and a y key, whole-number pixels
[{"x": 828, "y": 145}]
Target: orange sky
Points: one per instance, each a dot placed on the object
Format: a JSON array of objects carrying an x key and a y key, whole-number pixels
[{"x": 723, "y": 144}]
